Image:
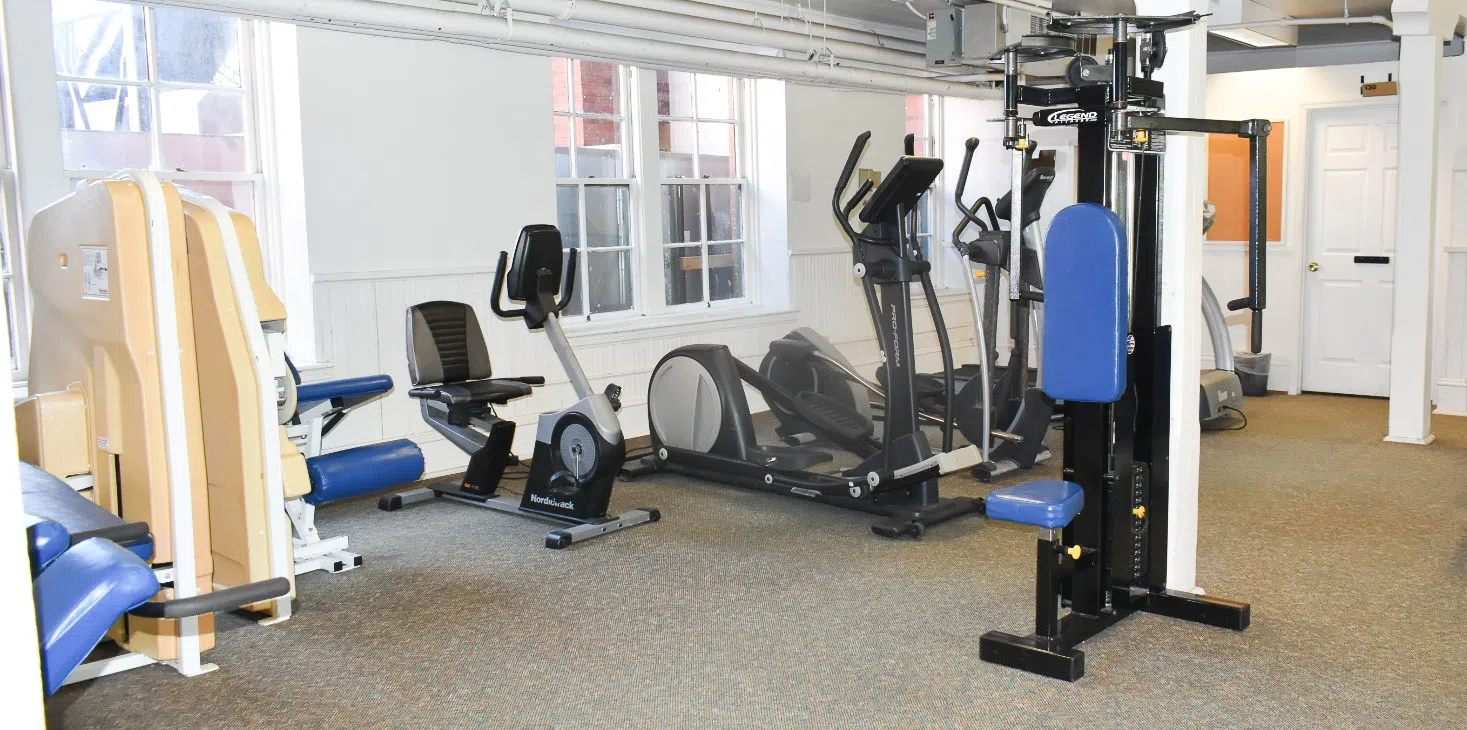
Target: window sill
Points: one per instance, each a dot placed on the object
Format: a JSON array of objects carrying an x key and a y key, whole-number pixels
[{"x": 676, "y": 324}]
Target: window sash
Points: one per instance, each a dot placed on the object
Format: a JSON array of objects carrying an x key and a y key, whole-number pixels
[{"x": 244, "y": 40}]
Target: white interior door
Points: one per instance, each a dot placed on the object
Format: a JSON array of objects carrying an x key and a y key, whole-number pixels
[{"x": 1352, "y": 242}]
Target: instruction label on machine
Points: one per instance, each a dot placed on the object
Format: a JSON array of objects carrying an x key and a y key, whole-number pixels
[{"x": 96, "y": 280}]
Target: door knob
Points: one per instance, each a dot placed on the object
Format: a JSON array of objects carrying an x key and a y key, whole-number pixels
[{"x": 1314, "y": 266}]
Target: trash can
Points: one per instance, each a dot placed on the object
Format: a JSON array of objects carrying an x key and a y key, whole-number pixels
[{"x": 1252, "y": 369}]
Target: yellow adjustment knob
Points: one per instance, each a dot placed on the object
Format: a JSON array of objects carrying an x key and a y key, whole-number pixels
[
  {"x": 1141, "y": 136},
  {"x": 1140, "y": 513},
  {"x": 1074, "y": 552},
  {"x": 1022, "y": 144}
]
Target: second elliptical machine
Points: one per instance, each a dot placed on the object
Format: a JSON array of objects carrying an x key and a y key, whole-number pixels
[{"x": 699, "y": 415}]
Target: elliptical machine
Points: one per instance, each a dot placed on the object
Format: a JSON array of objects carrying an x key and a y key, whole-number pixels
[
  {"x": 1012, "y": 399},
  {"x": 578, "y": 450},
  {"x": 699, "y": 416}
]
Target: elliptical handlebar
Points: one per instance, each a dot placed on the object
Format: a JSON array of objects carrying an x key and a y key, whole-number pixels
[
  {"x": 842, "y": 212},
  {"x": 970, "y": 212},
  {"x": 499, "y": 272}
]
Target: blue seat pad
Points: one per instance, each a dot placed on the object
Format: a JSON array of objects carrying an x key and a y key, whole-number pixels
[
  {"x": 46, "y": 496},
  {"x": 344, "y": 388},
  {"x": 1047, "y": 503},
  {"x": 47, "y": 540},
  {"x": 363, "y": 470},
  {"x": 78, "y": 598}
]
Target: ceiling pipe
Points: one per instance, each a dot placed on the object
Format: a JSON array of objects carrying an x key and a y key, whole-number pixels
[
  {"x": 676, "y": 23},
  {"x": 813, "y": 28},
  {"x": 1288, "y": 22},
  {"x": 1030, "y": 8},
  {"x": 370, "y": 15}
]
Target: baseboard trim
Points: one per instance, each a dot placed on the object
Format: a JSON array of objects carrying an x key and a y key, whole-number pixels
[{"x": 1412, "y": 440}]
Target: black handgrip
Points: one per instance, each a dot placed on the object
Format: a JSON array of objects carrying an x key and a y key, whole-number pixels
[
  {"x": 909, "y": 144},
  {"x": 528, "y": 379},
  {"x": 499, "y": 272},
  {"x": 227, "y": 599},
  {"x": 423, "y": 393},
  {"x": 970, "y": 146},
  {"x": 127, "y": 533},
  {"x": 856, "y": 199},
  {"x": 570, "y": 281},
  {"x": 850, "y": 167}
]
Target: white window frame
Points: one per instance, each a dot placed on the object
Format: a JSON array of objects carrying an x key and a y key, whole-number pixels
[
  {"x": 641, "y": 149},
  {"x": 248, "y": 90},
  {"x": 12, "y": 267},
  {"x": 628, "y": 180},
  {"x": 938, "y": 236},
  {"x": 742, "y": 124}
]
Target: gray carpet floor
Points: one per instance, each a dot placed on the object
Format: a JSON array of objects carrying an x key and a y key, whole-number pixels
[{"x": 744, "y": 610}]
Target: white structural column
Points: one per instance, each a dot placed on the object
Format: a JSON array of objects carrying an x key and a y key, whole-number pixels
[
  {"x": 1184, "y": 178},
  {"x": 1411, "y": 357}
]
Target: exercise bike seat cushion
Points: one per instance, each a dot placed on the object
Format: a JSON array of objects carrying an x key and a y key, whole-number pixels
[
  {"x": 1086, "y": 305},
  {"x": 46, "y": 540},
  {"x": 1049, "y": 503},
  {"x": 79, "y": 596},
  {"x": 364, "y": 387},
  {"x": 363, "y": 470},
  {"x": 44, "y": 495}
]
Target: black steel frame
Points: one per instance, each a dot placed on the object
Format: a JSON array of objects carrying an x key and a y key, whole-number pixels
[{"x": 1111, "y": 560}]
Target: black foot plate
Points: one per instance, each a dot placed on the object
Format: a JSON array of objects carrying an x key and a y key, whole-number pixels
[{"x": 1032, "y": 654}]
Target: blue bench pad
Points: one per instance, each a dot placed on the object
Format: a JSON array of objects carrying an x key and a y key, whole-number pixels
[
  {"x": 344, "y": 388},
  {"x": 1048, "y": 503},
  {"x": 363, "y": 470},
  {"x": 78, "y": 598},
  {"x": 46, "y": 496},
  {"x": 47, "y": 540},
  {"x": 1086, "y": 305}
]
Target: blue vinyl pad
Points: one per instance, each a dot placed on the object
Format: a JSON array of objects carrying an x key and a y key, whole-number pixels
[
  {"x": 78, "y": 598},
  {"x": 1047, "y": 503},
  {"x": 46, "y": 496},
  {"x": 46, "y": 540},
  {"x": 1086, "y": 305},
  {"x": 363, "y": 470},
  {"x": 345, "y": 388}
]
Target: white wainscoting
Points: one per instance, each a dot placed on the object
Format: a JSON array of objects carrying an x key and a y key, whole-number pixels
[
  {"x": 1451, "y": 370},
  {"x": 361, "y": 330}
]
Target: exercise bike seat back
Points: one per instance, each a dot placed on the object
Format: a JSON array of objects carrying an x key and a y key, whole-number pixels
[{"x": 448, "y": 360}]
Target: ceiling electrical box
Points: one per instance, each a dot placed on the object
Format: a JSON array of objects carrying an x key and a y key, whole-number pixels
[{"x": 969, "y": 32}]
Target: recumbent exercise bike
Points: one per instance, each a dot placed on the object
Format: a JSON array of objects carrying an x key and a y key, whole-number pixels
[{"x": 578, "y": 450}]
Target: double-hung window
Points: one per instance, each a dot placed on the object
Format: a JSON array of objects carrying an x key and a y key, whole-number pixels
[
  {"x": 703, "y": 186},
  {"x": 651, "y": 185},
  {"x": 921, "y": 116},
  {"x": 594, "y": 177},
  {"x": 10, "y": 239},
  {"x": 164, "y": 89}
]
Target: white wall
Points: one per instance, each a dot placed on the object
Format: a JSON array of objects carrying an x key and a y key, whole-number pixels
[
  {"x": 412, "y": 187},
  {"x": 822, "y": 126},
  {"x": 1287, "y": 95}
]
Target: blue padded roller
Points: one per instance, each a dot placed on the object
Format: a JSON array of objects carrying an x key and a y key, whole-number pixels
[
  {"x": 345, "y": 388},
  {"x": 46, "y": 540},
  {"x": 363, "y": 470},
  {"x": 1086, "y": 305},
  {"x": 1047, "y": 503},
  {"x": 46, "y": 496},
  {"x": 78, "y": 598}
]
